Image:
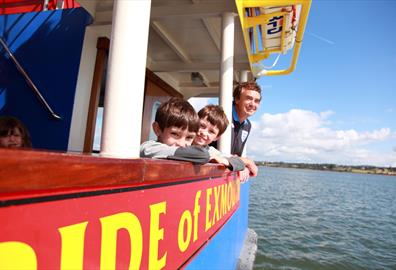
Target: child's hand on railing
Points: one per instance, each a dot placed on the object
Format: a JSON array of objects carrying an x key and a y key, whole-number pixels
[
  {"x": 244, "y": 175},
  {"x": 220, "y": 160}
]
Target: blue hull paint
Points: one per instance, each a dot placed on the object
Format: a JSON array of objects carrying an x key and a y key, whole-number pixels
[
  {"x": 48, "y": 46},
  {"x": 223, "y": 250}
]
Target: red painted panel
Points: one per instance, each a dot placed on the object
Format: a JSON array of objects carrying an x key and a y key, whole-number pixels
[
  {"x": 157, "y": 227},
  {"x": 24, "y": 6}
]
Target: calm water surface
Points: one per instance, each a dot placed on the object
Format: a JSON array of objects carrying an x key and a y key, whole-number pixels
[{"x": 309, "y": 219}]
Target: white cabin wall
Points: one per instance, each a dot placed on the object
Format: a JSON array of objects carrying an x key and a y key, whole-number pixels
[{"x": 84, "y": 85}]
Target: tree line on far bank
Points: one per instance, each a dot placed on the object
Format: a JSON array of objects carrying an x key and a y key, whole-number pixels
[{"x": 331, "y": 167}]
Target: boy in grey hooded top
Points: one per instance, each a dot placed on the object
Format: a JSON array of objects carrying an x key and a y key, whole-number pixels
[{"x": 176, "y": 124}]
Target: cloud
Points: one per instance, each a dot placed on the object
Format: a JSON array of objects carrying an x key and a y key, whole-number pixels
[{"x": 306, "y": 136}]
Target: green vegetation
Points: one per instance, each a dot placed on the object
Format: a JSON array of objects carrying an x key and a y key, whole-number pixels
[{"x": 332, "y": 167}]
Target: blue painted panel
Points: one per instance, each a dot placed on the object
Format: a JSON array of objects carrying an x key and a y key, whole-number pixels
[
  {"x": 2, "y": 98},
  {"x": 222, "y": 252},
  {"x": 48, "y": 46}
]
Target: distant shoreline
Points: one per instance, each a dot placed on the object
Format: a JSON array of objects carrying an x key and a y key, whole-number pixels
[{"x": 364, "y": 169}]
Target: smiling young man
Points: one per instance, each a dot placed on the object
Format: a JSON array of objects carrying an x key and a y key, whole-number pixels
[{"x": 247, "y": 97}]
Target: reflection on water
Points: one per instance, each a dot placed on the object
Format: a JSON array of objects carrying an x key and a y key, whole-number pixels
[{"x": 323, "y": 220}]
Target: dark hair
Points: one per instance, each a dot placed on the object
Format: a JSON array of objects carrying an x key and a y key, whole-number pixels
[
  {"x": 9, "y": 123},
  {"x": 177, "y": 112},
  {"x": 251, "y": 85},
  {"x": 216, "y": 116}
]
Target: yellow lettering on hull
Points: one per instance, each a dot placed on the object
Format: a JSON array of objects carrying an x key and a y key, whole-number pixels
[
  {"x": 110, "y": 226},
  {"x": 156, "y": 234},
  {"x": 17, "y": 255},
  {"x": 72, "y": 254}
]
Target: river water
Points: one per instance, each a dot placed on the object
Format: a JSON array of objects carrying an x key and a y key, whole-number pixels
[{"x": 309, "y": 219}]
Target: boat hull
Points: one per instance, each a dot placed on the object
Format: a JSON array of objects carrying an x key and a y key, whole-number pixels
[{"x": 187, "y": 216}]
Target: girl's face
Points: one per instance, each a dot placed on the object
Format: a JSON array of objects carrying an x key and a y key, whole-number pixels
[{"x": 12, "y": 139}]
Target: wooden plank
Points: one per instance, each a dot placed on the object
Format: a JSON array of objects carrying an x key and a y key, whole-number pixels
[
  {"x": 102, "y": 47},
  {"x": 35, "y": 171}
]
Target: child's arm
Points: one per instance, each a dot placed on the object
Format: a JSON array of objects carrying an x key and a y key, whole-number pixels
[
  {"x": 220, "y": 160},
  {"x": 236, "y": 164},
  {"x": 233, "y": 163},
  {"x": 251, "y": 166},
  {"x": 152, "y": 149},
  {"x": 195, "y": 154}
]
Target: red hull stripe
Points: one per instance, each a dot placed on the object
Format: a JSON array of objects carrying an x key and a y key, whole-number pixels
[{"x": 24, "y": 6}]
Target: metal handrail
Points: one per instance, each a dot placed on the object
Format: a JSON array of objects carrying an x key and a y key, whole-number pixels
[{"x": 29, "y": 81}]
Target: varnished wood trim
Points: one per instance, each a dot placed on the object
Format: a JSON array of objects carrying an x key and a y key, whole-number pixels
[
  {"x": 100, "y": 64},
  {"x": 162, "y": 84},
  {"x": 41, "y": 172}
]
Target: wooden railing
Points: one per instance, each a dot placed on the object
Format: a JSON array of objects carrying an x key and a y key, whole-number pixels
[{"x": 37, "y": 173}]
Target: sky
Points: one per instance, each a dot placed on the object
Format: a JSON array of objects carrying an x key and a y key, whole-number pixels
[{"x": 339, "y": 105}]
